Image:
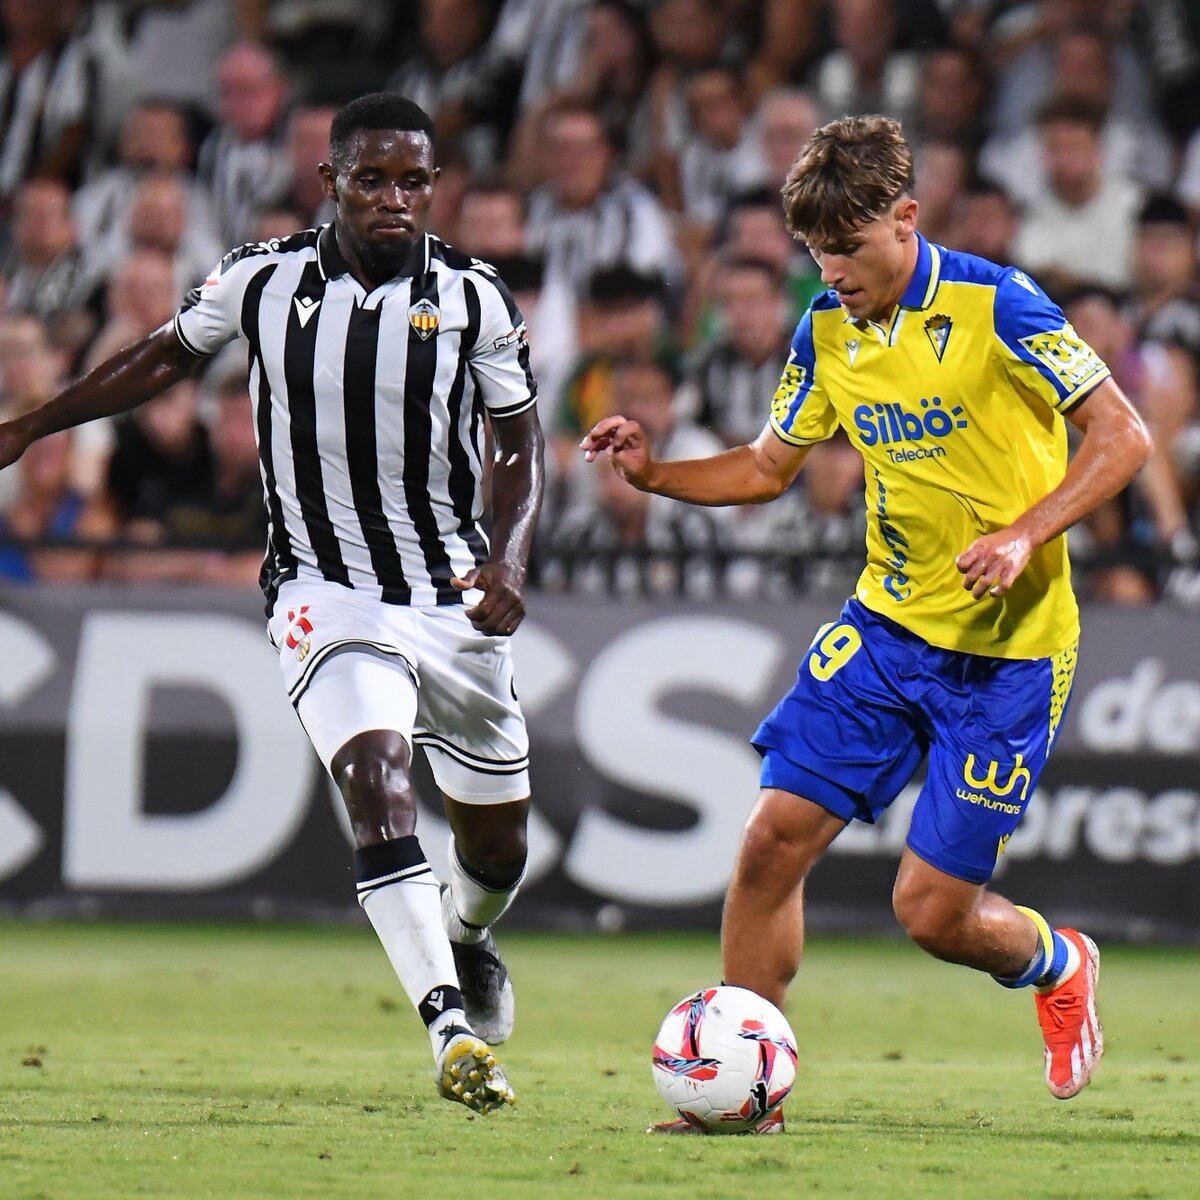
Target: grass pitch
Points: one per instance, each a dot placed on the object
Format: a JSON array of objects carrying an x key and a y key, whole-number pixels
[{"x": 248, "y": 1062}]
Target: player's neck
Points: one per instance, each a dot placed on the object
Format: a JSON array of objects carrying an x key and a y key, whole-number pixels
[{"x": 885, "y": 312}]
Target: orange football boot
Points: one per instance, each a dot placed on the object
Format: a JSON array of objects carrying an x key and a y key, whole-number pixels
[{"x": 1070, "y": 1027}]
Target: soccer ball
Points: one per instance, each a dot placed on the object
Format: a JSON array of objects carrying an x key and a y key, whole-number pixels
[{"x": 724, "y": 1059}]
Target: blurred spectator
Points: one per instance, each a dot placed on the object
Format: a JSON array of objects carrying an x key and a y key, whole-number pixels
[
  {"x": 141, "y": 295},
  {"x": 1023, "y": 43},
  {"x": 1084, "y": 71},
  {"x": 1127, "y": 535},
  {"x": 689, "y": 36},
  {"x": 820, "y": 517},
  {"x": 1166, "y": 302},
  {"x": 612, "y": 516},
  {"x": 1079, "y": 228},
  {"x": 277, "y": 223},
  {"x": 162, "y": 460},
  {"x": 30, "y": 374},
  {"x": 158, "y": 222},
  {"x": 621, "y": 318},
  {"x": 491, "y": 221},
  {"x": 454, "y": 76},
  {"x": 614, "y": 65},
  {"x": 548, "y": 307},
  {"x": 590, "y": 215},
  {"x": 172, "y": 46},
  {"x": 153, "y": 141},
  {"x": 942, "y": 170},
  {"x": 730, "y": 384},
  {"x": 754, "y": 230},
  {"x": 49, "y": 83},
  {"x": 307, "y": 145},
  {"x": 865, "y": 72},
  {"x": 950, "y": 98},
  {"x": 243, "y": 160},
  {"x": 221, "y": 529},
  {"x": 718, "y": 160},
  {"x": 46, "y": 274},
  {"x": 543, "y": 44},
  {"x": 785, "y": 120},
  {"x": 987, "y": 223},
  {"x": 47, "y": 509}
]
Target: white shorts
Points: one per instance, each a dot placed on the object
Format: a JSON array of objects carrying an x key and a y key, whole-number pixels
[{"x": 353, "y": 663}]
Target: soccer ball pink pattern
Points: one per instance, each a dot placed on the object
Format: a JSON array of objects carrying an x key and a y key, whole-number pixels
[{"x": 724, "y": 1059}]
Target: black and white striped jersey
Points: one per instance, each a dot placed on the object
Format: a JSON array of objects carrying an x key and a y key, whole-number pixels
[{"x": 369, "y": 406}]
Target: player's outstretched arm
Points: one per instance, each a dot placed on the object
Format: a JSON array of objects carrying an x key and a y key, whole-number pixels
[
  {"x": 517, "y": 482},
  {"x": 130, "y": 377},
  {"x": 751, "y": 474},
  {"x": 1115, "y": 446}
]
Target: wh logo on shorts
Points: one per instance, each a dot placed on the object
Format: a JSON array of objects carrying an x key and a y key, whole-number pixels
[
  {"x": 298, "y": 638},
  {"x": 990, "y": 783}
]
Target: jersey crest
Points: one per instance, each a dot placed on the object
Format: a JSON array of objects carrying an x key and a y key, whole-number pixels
[
  {"x": 937, "y": 330},
  {"x": 424, "y": 317}
]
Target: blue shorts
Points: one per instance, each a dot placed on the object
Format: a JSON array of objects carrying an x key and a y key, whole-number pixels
[{"x": 871, "y": 700}]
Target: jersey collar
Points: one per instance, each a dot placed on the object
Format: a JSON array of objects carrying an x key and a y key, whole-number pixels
[
  {"x": 926, "y": 276},
  {"x": 332, "y": 263}
]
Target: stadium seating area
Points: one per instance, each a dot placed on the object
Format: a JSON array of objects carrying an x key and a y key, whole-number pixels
[{"x": 619, "y": 161}]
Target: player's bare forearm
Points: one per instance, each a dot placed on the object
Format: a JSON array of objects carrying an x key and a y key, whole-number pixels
[
  {"x": 1116, "y": 444},
  {"x": 517, "y": 484},
  {"x": 130, "y": 377},
  {"x": 750, "y": 474}
]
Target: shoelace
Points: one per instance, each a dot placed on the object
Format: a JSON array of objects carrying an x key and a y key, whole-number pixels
[{"x": 1062, "y": 1006}]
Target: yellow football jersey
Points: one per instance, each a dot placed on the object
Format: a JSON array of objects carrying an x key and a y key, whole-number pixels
[{"x": 956, "y": 405}]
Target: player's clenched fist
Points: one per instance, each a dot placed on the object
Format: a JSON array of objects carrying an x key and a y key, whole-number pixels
[
  {"x": 991, "y": 563},
  {"x": 625, "y": 442}
]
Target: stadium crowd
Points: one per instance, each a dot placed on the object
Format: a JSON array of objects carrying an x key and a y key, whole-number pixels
[{"x": 619, "y": 161}]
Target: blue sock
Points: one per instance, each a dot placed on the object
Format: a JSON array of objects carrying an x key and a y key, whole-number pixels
[{"x": 1049, "y": 961}]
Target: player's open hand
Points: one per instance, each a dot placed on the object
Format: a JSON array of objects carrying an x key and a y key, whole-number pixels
[
  {"x": 991, "y": 563},
  {"x": 502, "y": 609},
  {"x": 625, "y": 443},
  {"x": 14, "y": 441}
]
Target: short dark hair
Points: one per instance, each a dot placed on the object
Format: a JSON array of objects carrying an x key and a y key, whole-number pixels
[
  {"x": 848, "y": 174},
  {"x": 1070, "y": 110},
  {"x": 745, "y": 262},
  {"x": 376, "y": 110},
  {"x": 1163, "y": 209},
  {"x": 621, "y": 285}
]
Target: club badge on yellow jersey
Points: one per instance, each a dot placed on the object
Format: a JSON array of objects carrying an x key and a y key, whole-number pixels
[{"x": 956, "y": 403}]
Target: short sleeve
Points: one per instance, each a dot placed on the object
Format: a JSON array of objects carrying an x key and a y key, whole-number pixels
[
  {"x": 500, "y": 360},
  {"x": 1042, "y": 353},
  {"x": 210, "y": 316},
  {"x": 801, "y": 412}
]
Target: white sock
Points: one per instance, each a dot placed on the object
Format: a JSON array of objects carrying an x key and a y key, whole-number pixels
[
  {"x": 399, "y": 894},
  {"x": 475, "y": 906}
]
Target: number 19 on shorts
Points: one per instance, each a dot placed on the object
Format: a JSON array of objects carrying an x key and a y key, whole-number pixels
[{"x": 832, "y": 648}]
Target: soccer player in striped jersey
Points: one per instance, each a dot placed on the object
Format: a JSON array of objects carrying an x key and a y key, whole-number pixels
[
  {"x": 377, "y": 356},
  {"x": 954, "y": 378}
]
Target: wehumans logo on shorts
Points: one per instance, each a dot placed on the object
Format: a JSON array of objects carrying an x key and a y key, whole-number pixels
[{"x": 991, "y": 783}]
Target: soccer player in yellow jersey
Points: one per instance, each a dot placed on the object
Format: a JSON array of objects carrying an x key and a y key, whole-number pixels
[{"x": 953, "y": 377}]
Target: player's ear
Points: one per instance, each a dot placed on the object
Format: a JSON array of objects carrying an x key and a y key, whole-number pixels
[
  {"x": 328, "y": 179},
  {"x": 906, "y": 218}
]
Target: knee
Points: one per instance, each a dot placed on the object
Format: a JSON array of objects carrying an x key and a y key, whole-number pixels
[
  {"x": 499, "y": 858},
  {"x": 372, "y": 773},
  {"x": 770, "y": 848},
  {"x": 930, "y": 920}
]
